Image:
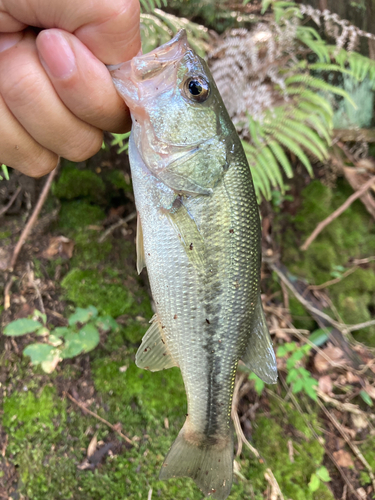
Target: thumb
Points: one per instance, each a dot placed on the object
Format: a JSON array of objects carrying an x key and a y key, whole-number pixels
[{"x": 117, "y": 38}]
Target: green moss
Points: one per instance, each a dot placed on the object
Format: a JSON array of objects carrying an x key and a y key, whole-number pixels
[
  {"x": 77, "y": 214},
  {"x": 301, "y": 318},
  {"x": 118, "y": 179},
  {"x": 88, "y": 251},
  {"x": 351, "y": 235},
  {"x": 75, "y": 183},
  {"x": 5, "y": 234},
  {"x": 90, "y": 286},
  {"x": 367, "y": 448},
  {"x": 270, "y": 438}
]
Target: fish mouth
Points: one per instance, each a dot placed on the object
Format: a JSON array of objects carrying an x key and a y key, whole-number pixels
[
  {"x": 133, "y": 78},
  {"x": 149, "y": 65}
]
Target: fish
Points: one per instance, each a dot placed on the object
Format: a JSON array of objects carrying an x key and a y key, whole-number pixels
[{"x": 199, "y": 236}]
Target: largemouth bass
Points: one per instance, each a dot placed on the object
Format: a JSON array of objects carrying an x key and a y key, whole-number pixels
[{"x": 199, "y": 237}]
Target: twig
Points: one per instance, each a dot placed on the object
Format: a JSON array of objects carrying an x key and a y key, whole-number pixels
[
  {"x": 83, "y": 407},
  {"x": 149, "y": 496},
  {"x": 318, "y": 438},
  {"x": 353, "y": 446},
  {"x": 358, "y": 262},
  {"x": 314, "y": 310},
  {"x": 348, "y": 407},
  {"x": 119, "y": 223},
  {"x": 303, "y": 301},
  {"x": 30, "y": 223},
  {"x": 334, "y": 281},
  {"x": 337, "y": 212},
  {"x": 242, "y": 438},
  {"x": 11, "y": 201},
  {"x": 32, "y": 282},
  {"x": 7, "y": 293}
]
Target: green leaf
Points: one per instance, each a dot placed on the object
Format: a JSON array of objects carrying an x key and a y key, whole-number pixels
[
  {"x": 21, "y": 327},
  {"x": 265, "y": 5},
  {"x": 89, "y": 337},
  {"x": 319, "y": 337},
  {"x": 258, "y": 383},
  {"x": 323, "y": 474},
  {"x": 314, "y": 483},
  {"x": 281, "y": 158},
  {"x": 39, "y": 314},
  {"x": 83, "y": 315},
  {"x": 42, "y": 332},
  {"x": 106, "y": 323},
  {"x": 62, "y": 331},
  {"x": 4, "y": 169},
  {"x": 73, "y": 346},
  {"x": 366, "y": 398},
  {"x": 39, "y": 353},
  {"x": 54, "y": 340},
  {"x": 310, "y": 391},
  {"x": 297, "y": 386}
]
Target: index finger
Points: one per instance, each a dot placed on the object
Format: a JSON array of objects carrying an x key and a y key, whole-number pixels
[{"x": 110, "y": 29}]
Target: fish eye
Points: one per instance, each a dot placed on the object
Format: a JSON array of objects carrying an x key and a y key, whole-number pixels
[{"x": 196, "y": 88}]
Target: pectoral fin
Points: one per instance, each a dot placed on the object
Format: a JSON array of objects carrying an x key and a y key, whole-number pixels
[
  {"x": 187, "y": 231},
  {"x": 141, "y": 263},
  {"x": 259, "y": 355},
  {"x": 153, "y": 354},
  {"x": 181, "y": 183}
]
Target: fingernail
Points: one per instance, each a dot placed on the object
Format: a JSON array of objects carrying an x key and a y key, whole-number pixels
[
  {"x": 56, "y": 54},
  {"x": 8, "y": 40}
]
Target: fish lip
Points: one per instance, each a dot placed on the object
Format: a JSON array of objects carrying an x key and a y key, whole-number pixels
[{"x": 144, "y": 66}]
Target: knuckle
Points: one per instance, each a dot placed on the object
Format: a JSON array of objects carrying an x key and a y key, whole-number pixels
[
  {"x": 39, "y": 165},
  {"x": 22, "y": 88},
  {"x": 87, "y": 147}
]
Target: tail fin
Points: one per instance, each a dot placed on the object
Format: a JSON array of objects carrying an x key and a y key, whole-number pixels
[{"x": 211, "y": 466}]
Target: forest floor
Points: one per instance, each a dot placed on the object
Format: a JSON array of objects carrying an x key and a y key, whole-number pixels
[{"x": 98, "y": 427}]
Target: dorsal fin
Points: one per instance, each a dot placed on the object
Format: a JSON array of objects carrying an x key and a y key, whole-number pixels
[
  {"x": 153, "y": 354},
  {"x": 141, "y": 263},
  {"x": 259, "y": 355}
]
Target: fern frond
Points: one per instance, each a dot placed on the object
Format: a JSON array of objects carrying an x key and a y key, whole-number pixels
[
  {"x": 157, "y": 27},
  {"x": 290, "y": 144},
  {"x": 281, "y": 157}
]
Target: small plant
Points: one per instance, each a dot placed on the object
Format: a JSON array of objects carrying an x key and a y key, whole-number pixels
[
  {"x": 80, "y": 336},
  {"x": 321, "y": 475},
  {"x": 299, "y": 378},
  {"x": 5, "y": 175},
  {"x": 259, "y": 385}
]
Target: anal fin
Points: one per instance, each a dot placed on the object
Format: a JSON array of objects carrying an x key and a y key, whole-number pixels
[
  {"x": 153, "y": 354},
  {"x": 139, "y": 246},
  {"x": 259, "y": 355}
]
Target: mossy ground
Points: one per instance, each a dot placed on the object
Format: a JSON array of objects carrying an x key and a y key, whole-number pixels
[
  {"x": 350, "y": 236},
  {"x": 49, "y": 435}
]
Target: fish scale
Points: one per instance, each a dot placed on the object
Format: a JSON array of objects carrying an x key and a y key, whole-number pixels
[{"x": 199, "y": 237}]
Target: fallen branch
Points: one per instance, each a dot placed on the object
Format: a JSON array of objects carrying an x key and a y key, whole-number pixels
[
  {"x": 319, "y": 439},
  {"x": 11, "y": 201},
  {"x": 30, "y": 223},
  {"x": 319, "y": 228},
  {"x": 352, "y": 445},
  {"x": 119, "y": 223},
  {"x": 340, "y": 326},
  {"x": 348, "y": 407},
  {"x": 348, "y": 272},
  {"x": 83, "y": 407},
  {"x": 7, "y": 288}
]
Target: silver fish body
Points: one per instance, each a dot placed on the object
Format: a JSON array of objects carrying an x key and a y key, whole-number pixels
[{"x": 199, "y": 237}]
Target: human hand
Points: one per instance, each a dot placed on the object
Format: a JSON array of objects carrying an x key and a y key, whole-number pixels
[{"x": 56, "y": 95}]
